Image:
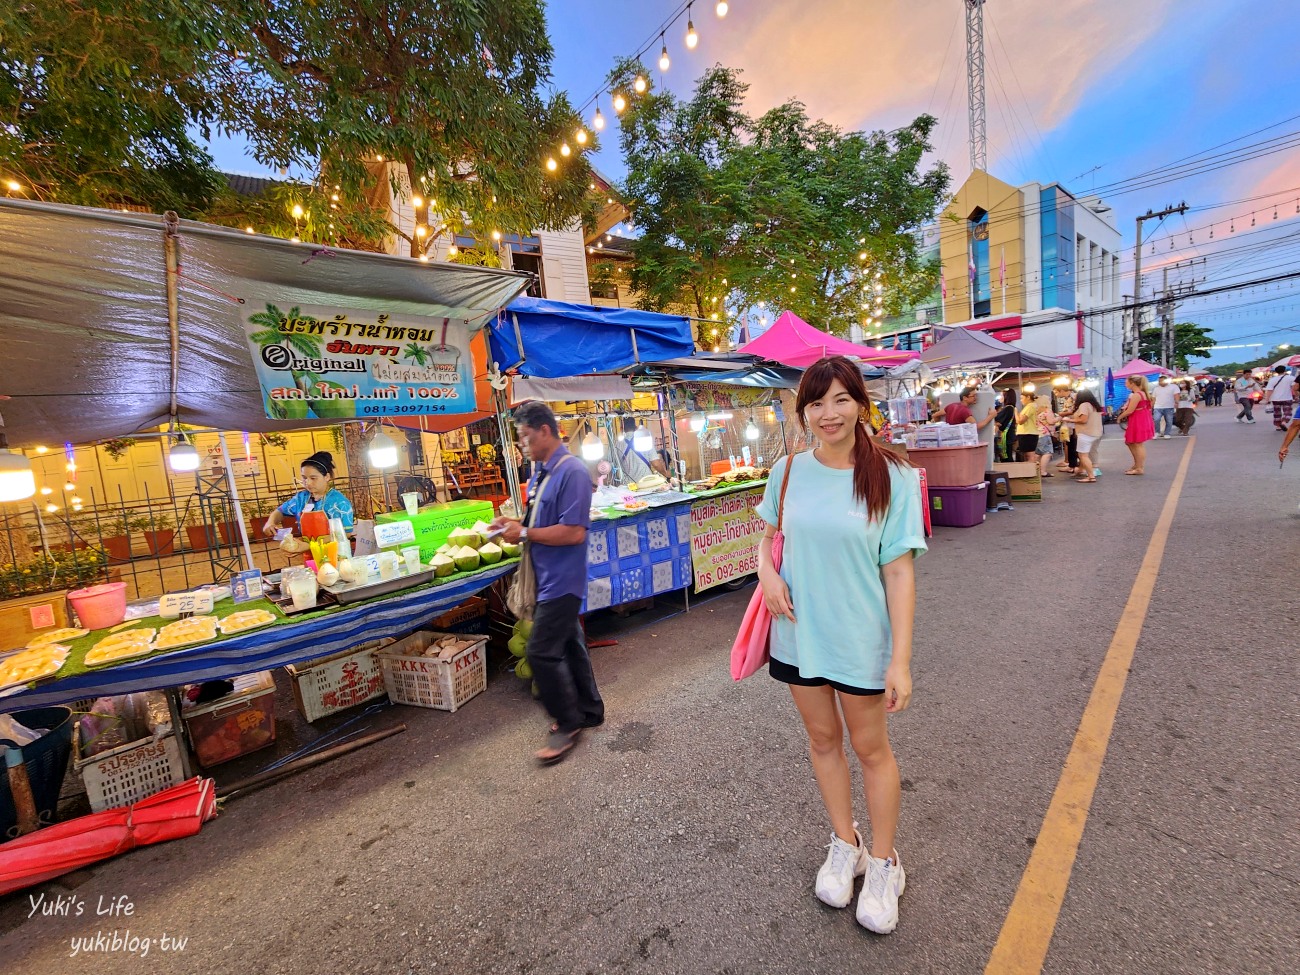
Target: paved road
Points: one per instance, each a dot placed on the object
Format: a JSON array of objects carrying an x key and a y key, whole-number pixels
[{"x": 683, "y": 836}]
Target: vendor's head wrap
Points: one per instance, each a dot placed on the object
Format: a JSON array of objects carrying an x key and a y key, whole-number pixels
[{"x": 323, "y": 461}]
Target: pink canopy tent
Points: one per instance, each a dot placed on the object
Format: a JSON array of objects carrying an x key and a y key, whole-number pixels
[
  {"x": 1140, "y": 367},
  {"x": 794, "y": 342}
]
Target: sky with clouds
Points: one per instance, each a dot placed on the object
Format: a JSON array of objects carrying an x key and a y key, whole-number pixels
[{"x": 1087, "y": 93}]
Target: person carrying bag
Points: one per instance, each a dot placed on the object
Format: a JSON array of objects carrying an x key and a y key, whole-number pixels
[{"x": 750, "y": 651}]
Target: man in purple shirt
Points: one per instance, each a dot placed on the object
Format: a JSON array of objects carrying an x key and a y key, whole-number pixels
[{"x": 560, "y": 491}]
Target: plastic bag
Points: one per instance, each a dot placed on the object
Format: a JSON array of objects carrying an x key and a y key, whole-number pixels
[{"x": 15, "y": 735}]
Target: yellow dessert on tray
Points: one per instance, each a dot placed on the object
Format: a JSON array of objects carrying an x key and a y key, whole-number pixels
[
  {"x": 246, "y": 620},
  {"x": 32, "y": 664},
  {"x": 56, "y": 636},
  {"x": 182, "y": 633},
  {"x": 101, "y": 654}
]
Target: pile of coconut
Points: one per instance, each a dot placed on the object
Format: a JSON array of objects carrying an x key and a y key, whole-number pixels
[{"x": 467, "y": 549}]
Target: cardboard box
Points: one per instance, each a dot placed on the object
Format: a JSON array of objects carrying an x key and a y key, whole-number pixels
[
  {"x": 436, "y": 521},
  {"x": 25, "y": 617},
  {"x": 1026, "y": 483}
]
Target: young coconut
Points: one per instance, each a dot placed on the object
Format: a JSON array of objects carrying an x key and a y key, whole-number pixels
[
  {"x": 466, "y": 559},
  {"x": 443, "y": 565},
  {"x": 464, "y": 538},
  {"x": 510, "y": 550},
  {"x": 490, "y": 553},
  {"x": 348, "y": 571}
]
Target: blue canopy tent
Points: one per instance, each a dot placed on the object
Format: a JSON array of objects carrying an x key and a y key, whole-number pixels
[{"x": 557, "y": 339}]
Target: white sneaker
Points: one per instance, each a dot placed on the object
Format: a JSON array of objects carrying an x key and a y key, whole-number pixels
[
  {"x": 1165, "y": 436},
  {"x": 843, "y": 862},
  {"x": 878, "y": 902}
]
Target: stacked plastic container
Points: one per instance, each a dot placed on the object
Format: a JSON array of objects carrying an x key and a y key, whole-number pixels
[{"x": 954, "y": 463}]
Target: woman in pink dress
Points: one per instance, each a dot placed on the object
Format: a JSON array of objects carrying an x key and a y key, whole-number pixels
[{"x": 1141, "y": 426}]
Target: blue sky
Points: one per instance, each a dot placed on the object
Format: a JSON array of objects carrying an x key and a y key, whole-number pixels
[{"x": 1082, "y": 92}]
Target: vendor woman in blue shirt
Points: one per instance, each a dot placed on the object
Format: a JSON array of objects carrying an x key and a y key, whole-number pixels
[{"x": 317, "y": 494}]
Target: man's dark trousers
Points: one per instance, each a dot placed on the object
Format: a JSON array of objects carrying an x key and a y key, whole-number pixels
[{"x": 557, "y": 652}]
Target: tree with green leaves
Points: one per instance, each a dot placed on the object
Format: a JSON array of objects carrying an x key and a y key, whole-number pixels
[
  {"x": 782, "y": 209},
  {"x": 101, "y": 101},
  {"x": 1190, "y": 342}
]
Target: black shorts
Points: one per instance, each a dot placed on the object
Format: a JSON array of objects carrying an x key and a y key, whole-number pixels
[
  {"x": 1027, "y": 443},
  {"x": 787, "y": 674}
]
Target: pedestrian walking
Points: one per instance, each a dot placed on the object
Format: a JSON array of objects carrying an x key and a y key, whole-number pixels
[
  {"x": 1219, "y": 387},
  {"x": 1164, "y": 401},
  {"x": 1065, "y": 401},
  {"x": 1141, "y": 428},
  {"x": 555, "y": 528},
  {"x": 1280, "y": 394},
  {"x": 1244, "y": 388},
  {"x": 1185, "y": 414},
  {"x": 842, "y": 607},
  {"x": 1085, "y": 421}
]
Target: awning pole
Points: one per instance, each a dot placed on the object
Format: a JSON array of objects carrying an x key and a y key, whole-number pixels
[
  {"x": 171, "y": 251},
  {"x": 669, "y": 436},
  {"x": 508, "y": 451},
  {"x": 234, "y": 499}
]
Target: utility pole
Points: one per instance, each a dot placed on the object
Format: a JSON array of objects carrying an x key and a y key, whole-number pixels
[
  {"x": 1135, "y": 325},
  {"x": 975, "y": 83},
  {"x": 1168, "y": 304}
]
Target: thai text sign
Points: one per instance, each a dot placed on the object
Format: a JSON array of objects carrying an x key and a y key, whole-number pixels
[
  {"x": 323, "y": 362},
  {"x": 725, "y": 533}
]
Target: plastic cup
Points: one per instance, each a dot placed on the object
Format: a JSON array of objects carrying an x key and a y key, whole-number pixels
[
  {"x": 412, "y": 557},
  {"x": 303, "y": 589},
  {"x": 388, "y": 565},
  {"x": 412, "y": 502}
]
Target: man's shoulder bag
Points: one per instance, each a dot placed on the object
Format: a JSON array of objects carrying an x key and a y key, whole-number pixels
[{"x": 521, "y": 597}]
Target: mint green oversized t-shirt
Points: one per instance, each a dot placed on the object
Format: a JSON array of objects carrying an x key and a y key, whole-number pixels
[{"x": 831, "y": 563}]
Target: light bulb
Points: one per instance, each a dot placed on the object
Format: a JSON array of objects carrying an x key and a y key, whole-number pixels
[
  {"x": 297, "y": 212},
  {"x": 416, "y": 201},
  {"x": 51, "y": 507},
  {"x": 382, "y": 451},
  {"x": 639, "y": 84},
  {"x": 692, "y": 38},
  {"x": 664, "y": 62},
  {"x": 698, "y": 422},
  {"x": 17, "y": 479},
  {"x": 620, "y": 102},
  {"x": 592, "y": 448},
  {"x": 183, "y": 457},
  {"x": 46, "y": 450},
  {"x": 453, "y": 250},
  {"x": 580, "y": 137},
  {"x": 74, "y": 500},
  {"x": 751, "y": 431},
  {"x": 421, "y": 230},
  {"x": 641, "y": 439},
  {"x": 47, "y": 490},
  {"x": 598, "y": 120},
  {"x": 564, "y": 149},
  {"x": 248, "y": 230},
  {"x": 69, "y": 486},
  {"x": 722, "y": 8},
  {"x": 551, "y": 164}
]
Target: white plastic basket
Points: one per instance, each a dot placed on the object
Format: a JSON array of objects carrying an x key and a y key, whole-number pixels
[
  {"x": 337, "y": 682},
  {"x": 428, "y": 682},
  {"x": 128, "y": 773}
]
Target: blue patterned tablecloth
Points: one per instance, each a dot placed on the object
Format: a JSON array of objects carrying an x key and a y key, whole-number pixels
[{"x": 643, "y": 555}]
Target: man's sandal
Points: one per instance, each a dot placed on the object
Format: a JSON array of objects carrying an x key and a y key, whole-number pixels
[{"x": 558, "y": 746}]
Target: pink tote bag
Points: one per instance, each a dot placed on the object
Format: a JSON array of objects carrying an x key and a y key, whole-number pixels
[{"x": 749, "y": 653}]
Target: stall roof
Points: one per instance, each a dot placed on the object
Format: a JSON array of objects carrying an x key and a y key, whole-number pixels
[
  {"x": 556, "y": 339},
  {"x": 971, "y": 348},
  {"x": 1140, "y": 367},
  {"x": 732, "y": 368},
  {"x": 793, "y": 341},
  {"x": 83, "y": 307}
]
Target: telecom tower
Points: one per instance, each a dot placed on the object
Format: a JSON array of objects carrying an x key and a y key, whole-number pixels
[{"x": 975, "y": 83}]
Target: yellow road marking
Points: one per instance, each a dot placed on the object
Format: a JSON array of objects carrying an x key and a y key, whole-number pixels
[{"x": 1027, "y": 931}]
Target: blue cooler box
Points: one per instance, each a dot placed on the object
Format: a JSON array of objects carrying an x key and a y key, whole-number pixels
[{"x": 958, "y": 507}]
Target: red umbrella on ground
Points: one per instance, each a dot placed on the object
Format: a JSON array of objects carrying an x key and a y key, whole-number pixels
[{"x": 56, "y": 850}]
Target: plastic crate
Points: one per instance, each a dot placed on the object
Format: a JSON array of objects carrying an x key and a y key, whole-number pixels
[
  {"x": 337, "y": 682},
  {"x": 471, "y": 611},
  {"x": 428, "y": 682},
  {"x": 951, "y": 466},
  {"x": 46, "y": 760},
  {"x": 958, "y": 507},
  {"x": 241, "y": 722},
  {"x": 129, "y": 773}
]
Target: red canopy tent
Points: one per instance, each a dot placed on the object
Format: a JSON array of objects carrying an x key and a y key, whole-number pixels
[{"x": 794, "y": 342}]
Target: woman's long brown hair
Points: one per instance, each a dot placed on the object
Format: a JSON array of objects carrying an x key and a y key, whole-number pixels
[{"x": 870, "y": 460}]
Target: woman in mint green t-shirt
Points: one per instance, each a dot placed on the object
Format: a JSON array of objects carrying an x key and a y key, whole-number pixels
[{"x": 842, "y": 607}]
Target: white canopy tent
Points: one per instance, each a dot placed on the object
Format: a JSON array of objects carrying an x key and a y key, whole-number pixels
[{"x": 90, "y": 351}]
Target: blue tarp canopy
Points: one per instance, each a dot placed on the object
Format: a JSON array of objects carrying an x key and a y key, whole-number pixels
[{"x": 555, "y": 339}]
